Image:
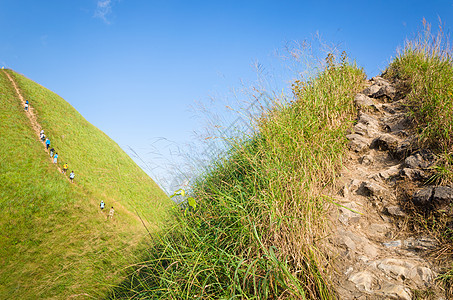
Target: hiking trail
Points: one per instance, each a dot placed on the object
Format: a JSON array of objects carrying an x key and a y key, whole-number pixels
[
  {"x": 378, "y": 259},
  {"x": 30, "y": 114}
]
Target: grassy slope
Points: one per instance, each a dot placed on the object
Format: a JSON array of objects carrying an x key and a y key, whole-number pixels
[
  {"x": 54, "y": 241},
  {"x": 258, "y": 229}
]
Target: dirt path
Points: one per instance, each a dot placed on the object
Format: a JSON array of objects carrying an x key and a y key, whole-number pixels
[{"x": 378, "y": 260}]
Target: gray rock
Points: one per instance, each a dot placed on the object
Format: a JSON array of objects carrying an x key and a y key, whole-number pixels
[
  {"x": 403, "y": 270},
  {"x": 362, "y": 280},
  {"x": 392, "y": 244},
  {"x": 371, "y": 90},
  {"x": 422, "y": 198},
  {"x": 395, "y": 211},
  {"x": 379, "y": 81},
  {"x": 393, "y": 171},
  {"x": 372, "y": 189},
  {"x": 421, "y": 159},
  {"x": 362, "y": 101},
  {"x": 442, "y": 198},
  {"x": 366, "y": 160},
  {"x": 378, "y": 229},
  {"x": 385, "y": 142},
  {"x": 357, "y": 143},
  {"x": 396, "y": 123},
  {"x": 413, "y": 174},
  {"x": 395, "y": 291},
  {"x": 361, "y": 129},
  {"x": 420, "y": 243},
  {"x": 368, "y": 120}
]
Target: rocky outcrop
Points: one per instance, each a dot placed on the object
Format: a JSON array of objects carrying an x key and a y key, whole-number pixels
[{"x": 376, "y": 260}]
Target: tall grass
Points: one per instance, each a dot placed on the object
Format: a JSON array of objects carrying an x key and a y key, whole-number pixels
[
  {"x": 425, "y": 65},
  {"x": 258, "y": 229}
]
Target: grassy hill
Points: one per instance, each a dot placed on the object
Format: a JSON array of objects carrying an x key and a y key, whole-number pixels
[{"x": 54, "y": 240}]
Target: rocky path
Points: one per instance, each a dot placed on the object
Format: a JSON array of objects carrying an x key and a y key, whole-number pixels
[{"x": 378, "y": 260}]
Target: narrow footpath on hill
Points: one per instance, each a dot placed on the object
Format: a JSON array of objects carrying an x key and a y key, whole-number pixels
[
  {"x": 378, "y": 258},
  {"x": 30, "y": 113}
]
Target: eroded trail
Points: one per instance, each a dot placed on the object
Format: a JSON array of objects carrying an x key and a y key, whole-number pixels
[{"x": 378, "y": 260}]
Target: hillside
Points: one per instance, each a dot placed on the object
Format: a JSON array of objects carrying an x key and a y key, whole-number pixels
[
  {"x": 344, "y": 191},
  {"x": 55, "y": 242}
]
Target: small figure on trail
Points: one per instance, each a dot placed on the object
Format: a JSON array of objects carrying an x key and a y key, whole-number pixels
[
  {"x": 55, "y": 158},
  {"x": 26, "y": 106},
  {"x": 47, "y": 143},
  {"x": 102, "y": 205},
  {"x": 42, "y": 132},
  {"x": 43, "y": 137},
  {"x": 71, "y": 176},
  {"x": 52, "y": 150},
  {"x": 65, "y": 168},
  {"x": 26, "y": 101},
  {"x": 111, "y": 212}
]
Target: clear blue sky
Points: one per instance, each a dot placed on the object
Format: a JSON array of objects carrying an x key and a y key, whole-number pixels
[{"x": 133, "y": 68}]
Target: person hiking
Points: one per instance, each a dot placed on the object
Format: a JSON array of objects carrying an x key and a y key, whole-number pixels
[
  {"x": 71, "y": 176},
  {"x": 52, "y": 150},
  {"x": 111, "y": 212},
  {"x": 65, "y": 168},
  {"x": 47, "y": 143},
  {"x": 55, "y": 158},
  {"x": 102, "y": 205},
  {"x": 26, "y": 106},
  {"x": 43, "y": 137}
]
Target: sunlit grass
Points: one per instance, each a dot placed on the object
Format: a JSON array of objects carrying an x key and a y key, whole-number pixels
[{"x": 260, "y": 223}]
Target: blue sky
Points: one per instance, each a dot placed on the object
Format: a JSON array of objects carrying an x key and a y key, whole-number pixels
[{"x": 134, "y": 68}]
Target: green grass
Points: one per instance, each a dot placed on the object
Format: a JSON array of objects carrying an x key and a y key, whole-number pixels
[
  {"x": 54, "y": 241},
  {"x": 425, "y": 65},
  {"x": 260, "y": 223}
]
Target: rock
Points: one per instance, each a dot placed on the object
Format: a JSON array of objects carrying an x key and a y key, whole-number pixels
[
  {"x": 362, "y": 280},
  {"x": 378, "y": 91},
  {"x": 392, "y": 244},
  {"x": 361, "y": 129},
  {"x": 347, "y": 215},
  {"x": 395, "y": 291},
  {"x": 357, "y": 143},
  {"x": 420, "y": 243},
  {"x": 379, "y": 81},
  {"x": 393, "y": 171},
  {"x": 413, "y": 174},
  {"x": 437, "y": 198},
  {"x": 385, "y": 142},
  {"x": 378, "y": 229},
  {"x": 395, "y": 211},
  {"x": 442, "y": 197},
  {"x": 396, "y": 123},
  {"x": 371, "y": 90},
  {"x": 422, "y": 198},
  {"x": 362, "y": 101},
  {"x": 351, "y": 187},
  {"x": 366, "y": 160},
  {"x": 368, "y": 120},
  {"x": 421, "y": 159},
  {"x": 406, "y": 147},
  {"x": 403, "y": 270},
  {"x": 370, "y": 250},
  {"x": 371, "y": 189}
]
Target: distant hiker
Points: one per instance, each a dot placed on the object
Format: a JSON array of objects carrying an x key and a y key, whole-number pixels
[
  {"x": 26, "y": 106},
  {"x": 102, "y": 205},
  {"x": 26, "y": 102},
  {"x": 111, "y": 212},
  {"x": 65, "y": 168},
  {"x": 52, "y": 150},
  {"x": 43, "y": 137},
  {"x": 42, "y": 132},
  {"x": 71, "y": 176},
  {"x": 55, "y": 158},
  {"x": 47, "y": 143}
]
